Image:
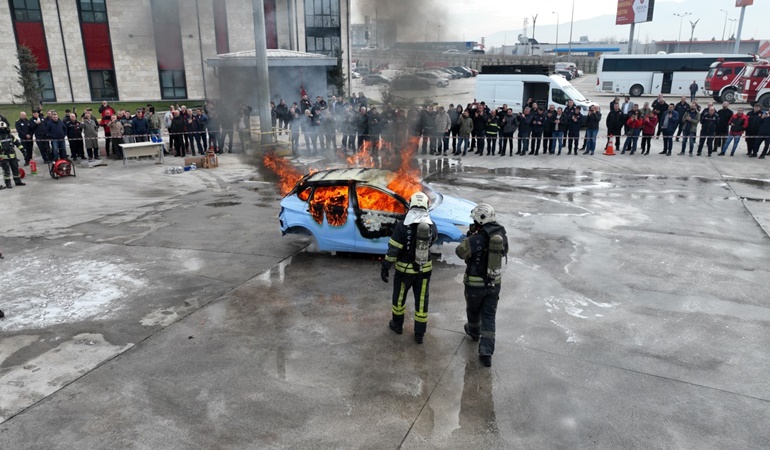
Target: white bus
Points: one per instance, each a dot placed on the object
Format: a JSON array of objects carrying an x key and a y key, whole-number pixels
[{"x": 673, "y": 73}]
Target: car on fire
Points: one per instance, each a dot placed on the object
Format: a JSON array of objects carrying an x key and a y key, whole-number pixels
[{"x": 355, "y": 210}]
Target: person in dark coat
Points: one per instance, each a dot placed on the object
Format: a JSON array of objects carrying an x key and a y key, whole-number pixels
[
  {"x": 723, "y": 124},
  {"x": 615, "y": 122},
  {"x": 764, "y": 135}
]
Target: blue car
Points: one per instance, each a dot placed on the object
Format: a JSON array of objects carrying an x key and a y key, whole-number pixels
[{"x": 353, "y": 210}]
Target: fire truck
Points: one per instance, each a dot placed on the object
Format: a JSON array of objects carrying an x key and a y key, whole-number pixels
[
  {"x": 722, "y": 81},
  {"x": 755, "y": 85}
]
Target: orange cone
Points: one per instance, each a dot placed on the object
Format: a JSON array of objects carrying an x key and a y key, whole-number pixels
[{"x": 610, "y": 150}]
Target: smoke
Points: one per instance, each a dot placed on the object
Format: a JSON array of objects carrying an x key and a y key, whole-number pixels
[{"x": 413, "y": 17}]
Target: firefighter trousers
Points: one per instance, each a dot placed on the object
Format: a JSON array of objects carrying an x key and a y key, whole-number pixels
[
  {"x": 481, "y": 308},
  {"x": 10, "y": 168},
  {"x": 420, "y": 284}
]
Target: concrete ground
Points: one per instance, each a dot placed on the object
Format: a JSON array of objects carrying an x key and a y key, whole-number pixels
[{"x": 147, "y": 310}]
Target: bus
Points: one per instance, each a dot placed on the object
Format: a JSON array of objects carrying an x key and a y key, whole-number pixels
[{"x": 673, "y": 73}]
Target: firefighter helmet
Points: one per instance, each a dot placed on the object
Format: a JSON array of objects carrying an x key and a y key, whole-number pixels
[
  {"x": 4, "y": 128},
  {"x": 483, "y": 214},
  {"x": 418, "y": 200}
]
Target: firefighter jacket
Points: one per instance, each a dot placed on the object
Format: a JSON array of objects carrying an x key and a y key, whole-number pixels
[
  {"x": 8, "y": 146},
  {"x": 401, "y": 249},
  {"x": 474, "y": 249}
]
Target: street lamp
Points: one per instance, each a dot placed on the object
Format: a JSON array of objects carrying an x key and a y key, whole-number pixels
[
  {"x": 438, "y": 34},
  {"x": 724, "y": 28},
  {"x": 571, "y": 23},
  {"x": 426, "y": 30},
  {"x": 557, "y": 32},
  {"x": 732, "y": 24},
  {"x": 692, "y": 33},
  {"x": 679, "y": 39}
]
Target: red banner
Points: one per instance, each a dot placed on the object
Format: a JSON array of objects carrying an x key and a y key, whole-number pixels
[
  {"x": 744, "y": 2},
  {"x": 634, "y": 11}
]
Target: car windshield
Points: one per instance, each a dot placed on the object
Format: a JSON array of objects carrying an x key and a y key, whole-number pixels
[
  {"x": 574, "y": 93},
  {"x": 711, "y": 72},
  {"x": 434, "y": 197}
]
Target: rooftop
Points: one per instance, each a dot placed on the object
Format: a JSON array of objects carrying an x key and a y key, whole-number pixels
[{"x": 275, "y": 58}]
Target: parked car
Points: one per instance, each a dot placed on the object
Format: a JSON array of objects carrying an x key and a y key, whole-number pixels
[
  {"x": 355, "y": 74},
  {"x": 474, "y": 72},
  {"x": 449, "y": 73},
  {"x": 354, "y": 210},
  {"x": 433, "y": 78},
  {"x": 463, "y": 70},
  {"x": 409, "y": 83},
  {"x": 451, "y": 50},
  {"x": 371, "y": 80},
  {"x": 565, "y": 73}
]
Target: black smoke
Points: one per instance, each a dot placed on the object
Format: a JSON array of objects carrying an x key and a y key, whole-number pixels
[{"x": 413, "y": 17}]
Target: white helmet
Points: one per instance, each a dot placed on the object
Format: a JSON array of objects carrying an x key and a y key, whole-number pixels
[
  {"x": 418, "y": 200},
  {"x": 483, "y": 214}
]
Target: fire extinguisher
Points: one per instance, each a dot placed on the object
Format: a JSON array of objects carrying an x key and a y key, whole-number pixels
[{"x": 32, "y": 167}]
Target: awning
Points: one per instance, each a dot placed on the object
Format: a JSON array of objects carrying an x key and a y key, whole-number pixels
[{"x": 275, "y": 58}]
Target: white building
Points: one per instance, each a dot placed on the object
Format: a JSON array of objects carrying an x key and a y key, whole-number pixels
[{"x": 92, "y": 50}]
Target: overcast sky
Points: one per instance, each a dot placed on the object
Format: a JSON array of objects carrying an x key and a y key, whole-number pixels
[{"x": 475, "y": 18}]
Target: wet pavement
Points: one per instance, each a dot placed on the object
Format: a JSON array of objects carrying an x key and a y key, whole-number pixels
[{"x": 148, "y": 310}]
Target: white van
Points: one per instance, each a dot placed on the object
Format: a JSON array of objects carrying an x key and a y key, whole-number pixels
[{"x": 514, "y": 89}]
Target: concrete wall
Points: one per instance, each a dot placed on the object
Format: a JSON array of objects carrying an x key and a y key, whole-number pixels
[
  {"x": 61, "y": 80},
  {"x": 192, "y": 47},
  {"x": 76, "y": 56},
  {"x": 240, "y": 25},
  {"x": 9, "y": 84},
  {"x": 133, "y": 50}
]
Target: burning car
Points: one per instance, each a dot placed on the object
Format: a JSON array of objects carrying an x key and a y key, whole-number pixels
[{"x": 356, "y": 209}]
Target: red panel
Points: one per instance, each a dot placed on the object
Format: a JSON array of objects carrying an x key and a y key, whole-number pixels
[
  {"x": 96, "y": 39},
  {"x": 220, "y": 27},
  {"x": 271, "y": 29},
  {"x": 31, "y": 34}
]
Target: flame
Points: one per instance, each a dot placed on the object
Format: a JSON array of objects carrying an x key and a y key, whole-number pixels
[
  {"x": 407, "y": 179},
  {"x": 333, "y": 201},
  {"x": 289, "y": 175},
  {"x": 375, "y": 200},
  {"x": 363, "y": 158}
]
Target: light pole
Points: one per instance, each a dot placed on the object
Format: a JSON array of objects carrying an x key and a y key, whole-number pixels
[
  {"x": 681, "y": 18},
  {"x": 732, "y": 23},
  {"x": 557, "y": 33},
  {"x": 532, "y": 46},
  {"x": 426, "y": 30},
  {"x": 438, "y": 34},
  {"x": 571, "y": 23},
  {"x": 724, "y": 28},
  {"x": 692, "y": 33}
]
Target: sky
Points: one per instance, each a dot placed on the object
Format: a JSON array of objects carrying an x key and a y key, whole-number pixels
[{"x": 472, "y": 19}]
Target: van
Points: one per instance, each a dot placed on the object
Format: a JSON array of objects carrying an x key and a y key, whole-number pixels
[{"x": 514, "y": 85}]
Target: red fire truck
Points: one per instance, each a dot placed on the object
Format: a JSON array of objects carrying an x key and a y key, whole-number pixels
[
  {"x": 722, "y": 81},
  {"x": 755, "y": 85}
]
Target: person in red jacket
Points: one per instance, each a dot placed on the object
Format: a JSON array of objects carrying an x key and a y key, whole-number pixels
[
  {"x": 633, "y": 128},
  {"x": 649, "y": 122},
  {"x": 738, "y": 124},
  {"x": 106, "y": 112}
]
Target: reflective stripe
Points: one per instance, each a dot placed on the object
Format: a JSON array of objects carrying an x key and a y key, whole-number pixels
[
  {"x": 478, "y": 281},
  {"x": 488, "y": 334},
  {"x": 390, "y": 258},
  {"x": 395, "y": 244},
  {"x": 408, "y": 268},
  {"x": 420, "y": 315},
  {"x": 399, "y": 308}
]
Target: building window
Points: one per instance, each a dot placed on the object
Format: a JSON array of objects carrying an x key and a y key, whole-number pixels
[
  {"x": 46, "y": 80},
  {"x": 172, "y": 84},
  {"x": 103, "y": 85},
  {"x": 27, "y": 11},
  {"x": 93, "y": 11},
  {"x": 322, "y": 26}
]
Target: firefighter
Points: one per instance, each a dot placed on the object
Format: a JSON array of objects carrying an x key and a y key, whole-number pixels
[
  {"x": 8, "y": 147},
  {"x": 409, "y": 249},
  {"x": 483, "y": 250}
]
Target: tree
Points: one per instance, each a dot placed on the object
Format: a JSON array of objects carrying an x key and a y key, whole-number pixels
[
  {"x": 32, "y": 88},
  {"x": 337, "y": 75}
]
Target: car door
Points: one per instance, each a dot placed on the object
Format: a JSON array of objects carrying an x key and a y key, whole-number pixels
[
  {"x": 333, "y": 214},
  {"x": 376, "y": 215}
]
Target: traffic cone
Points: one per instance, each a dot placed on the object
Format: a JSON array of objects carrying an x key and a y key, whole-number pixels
[{"x": 610, "y": 150}]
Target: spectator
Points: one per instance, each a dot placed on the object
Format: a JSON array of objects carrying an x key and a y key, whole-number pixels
[
  {"x": 690, "y": 122},
  {"x": 203, "y": 122},
  {"x": 75, "y": 137},
  {"x": 213, "y": 130},
  {"x": 282, "y": 114},
  {"x": 91, "y": 136},
  {"x": 561, "y": 127},
  {"x": 154, "y": 123},
  {"x": 525, "y": 129},
  {"x": 649, "y": 123},
  {"x": 56, "y": 131},
  {"x": 443, "y": 126},
  {"x": 764, "y": 135},
  {"x": 592, "y": 129},
  {"x": 176, "y": 131},
  {"x": 310, "y": 130},
  {"x": 681, "y": 108},
  {"x": 41, "y": 137},
  {"x": 723, "y": 125},
  {"x": 140, "y": 127},
  {"x": 116, "y": 131},
  {"x": 464, "y": 132},
  {"x": 24, "y": 130},
  {"x": 708, "y": 129},
  {"x": 670, "y": 123},
  {"x": 693, "y": 90},
  {"x": 634, "y": 126},
  {"x": 615, "y": 124},
  {"x": 752, "y": 130},
  {"x": 293, "y": 121},
  {"x": 573, "y": 130},
  {"x": 738, "y": 124}
]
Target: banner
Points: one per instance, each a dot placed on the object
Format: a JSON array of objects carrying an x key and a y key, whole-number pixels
[
  {"x": 634, "y": 11},
  {"x": 739, "y": 3}
]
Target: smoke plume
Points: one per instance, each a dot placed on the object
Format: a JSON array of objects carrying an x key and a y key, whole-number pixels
[{"x": 412, "y": 17}]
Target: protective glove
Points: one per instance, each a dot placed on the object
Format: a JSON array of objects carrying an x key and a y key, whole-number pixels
[{"x": 384, "y": 274}]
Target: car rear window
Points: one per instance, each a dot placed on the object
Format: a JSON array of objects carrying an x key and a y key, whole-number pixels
[{"x": 375, "y": 200}]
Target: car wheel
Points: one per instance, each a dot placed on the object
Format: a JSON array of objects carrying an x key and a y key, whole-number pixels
[
  {"x": 636, "y": 90},
  {"x": 728, "y": 96},
  {"x": 764, "y": 101}
]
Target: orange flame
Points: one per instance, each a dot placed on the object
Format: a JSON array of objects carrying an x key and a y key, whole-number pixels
[
  {"x": 407, "y": 179},
  {"x": 363, "y": 158},
  {"x": 288, "y": 174},
  {"x": 332, "y": 201}
]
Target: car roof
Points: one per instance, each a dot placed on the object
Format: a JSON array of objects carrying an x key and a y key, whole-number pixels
[{"x": 377, "y": 177}]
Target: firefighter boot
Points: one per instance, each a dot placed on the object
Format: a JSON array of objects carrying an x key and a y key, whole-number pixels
[
  {"x": 397, "y": 328},
  {"x": 18, "y": 181},
  {"x": 8, "y": 184}
]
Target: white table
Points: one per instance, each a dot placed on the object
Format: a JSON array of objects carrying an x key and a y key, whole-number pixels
[{"x": 136, "y": 149}]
